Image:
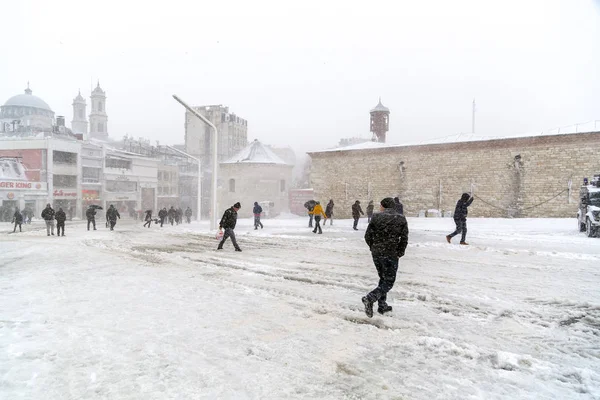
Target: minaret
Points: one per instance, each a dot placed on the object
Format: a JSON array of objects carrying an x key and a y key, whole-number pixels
[
  {"x": 98, "y": 117},
  {"x": 380, "y": 122},
  {"x": 79, "y": 123}
]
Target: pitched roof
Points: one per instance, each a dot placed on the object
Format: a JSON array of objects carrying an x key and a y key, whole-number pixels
[{"x": 255, "y": 153}]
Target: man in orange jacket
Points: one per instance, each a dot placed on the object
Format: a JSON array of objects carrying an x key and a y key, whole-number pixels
[{"x": 317, "y": 211}]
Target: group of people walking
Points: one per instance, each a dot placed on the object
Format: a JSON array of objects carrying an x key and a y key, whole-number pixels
[{"x": 174, "y": 215}]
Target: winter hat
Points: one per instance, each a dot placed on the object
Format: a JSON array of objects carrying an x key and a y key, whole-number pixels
[
  {"x": 388, "y": 202},
  {"x": 237, "y": 205},
  {"x": 256, "y": 203}
]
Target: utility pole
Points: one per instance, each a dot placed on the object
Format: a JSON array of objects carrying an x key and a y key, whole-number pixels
[{"x": 473, "y": 118}]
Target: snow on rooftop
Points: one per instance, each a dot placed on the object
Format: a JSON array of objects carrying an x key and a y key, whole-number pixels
[{"x": 255, "y": 153}]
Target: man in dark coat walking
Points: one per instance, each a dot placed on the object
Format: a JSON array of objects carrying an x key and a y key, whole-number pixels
[
  {"x": 61, "y": 217},
  {"x": 460, "y": 218},
  {"x": 188, "y": 215},
  {"x": 257, "y": 210},
  {"x": 399, "y": 207},
  {"x": 370, "y": 209},
  {"x": 228, "y": 222},
  {"x": 387, "y": 238},
  {"x": 148, "y": 218},
  {"x": 309, "y": 205},
  {"x": 356, "y": 213},
  {"x": 48, "y": 216},
  {"x": 111, "y": 216},
  {"x": 90, "y": 214},
  {"x": 18, "y": 220},
  {"x": 172, "y": 213},
  {"x": 162, "y": 214}
]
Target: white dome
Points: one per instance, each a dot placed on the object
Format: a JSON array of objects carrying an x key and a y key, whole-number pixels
[{"x": 28, "y": 100}]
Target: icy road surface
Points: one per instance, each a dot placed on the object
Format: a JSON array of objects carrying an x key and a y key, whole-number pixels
[{"x": 160, "y": 314}]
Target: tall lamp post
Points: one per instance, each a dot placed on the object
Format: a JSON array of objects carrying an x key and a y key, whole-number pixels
[{"x": 213, "y": 208}]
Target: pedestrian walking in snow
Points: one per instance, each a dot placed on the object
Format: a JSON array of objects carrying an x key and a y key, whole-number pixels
[
  {"x": 188, "y": 215},
  {"x": 356, "y": 213},
  {"x": 257, "y": 210},
  {"x": 148, "y": 218},
  {"x": 370, "y": 208},
  {"x": 90, "y": 214},
  {"x": 61, "y": 217},
  {"x": 399, "y": 207},
  {"x": 227, "y": 223},
  {"x": 172, "y": 213},
  {"x": 329, "y": 212},
  {"x": 317, "y": 212},
  {"x": 17, "y": 220},
  {"x": 162, "y": 214},
  {"x": 309, "y": 205},
  {"x": 111, "y": 216},
  {"x": 48, "y": 216},
  {"x": 460, "y": 218},
  {"x": 178, "y": 215},
  {"x": 387, "y": 238}
]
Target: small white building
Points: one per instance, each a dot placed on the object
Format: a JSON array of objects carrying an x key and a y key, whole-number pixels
[{"x": 255, "y": 174}]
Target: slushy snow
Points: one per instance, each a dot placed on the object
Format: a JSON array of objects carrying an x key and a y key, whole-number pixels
[{"x": 159, "y": 314}]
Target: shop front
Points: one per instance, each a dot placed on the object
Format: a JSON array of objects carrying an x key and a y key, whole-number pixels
[
  {"x": 24, "y": 195},
  {"x": 90, "y": 197},
  {"x": 66, "y": 199}
]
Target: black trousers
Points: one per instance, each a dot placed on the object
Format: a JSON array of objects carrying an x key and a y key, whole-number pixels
[
  {"x": 461, "y": 226},
  {"x": 229, "y": 233},
  {"x": 355, "y": 222},
  {"x": 387, "y": 267},
  {"x": 257, "y": 222},
  {"x": 17, "y": 224},
  {"x": 60, "y": 226},
  {"x": 92, "y": 221},
  {"x": 149, "y": 222},
  {"x": 162, "y": 221},
  {"x": 317, "y": 224},
  {"x": 310, "y": 219},
  {"x": 112, "y": 224}
]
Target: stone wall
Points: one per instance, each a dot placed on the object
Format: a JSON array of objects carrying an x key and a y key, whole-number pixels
[{"x": 509, "y": 177}]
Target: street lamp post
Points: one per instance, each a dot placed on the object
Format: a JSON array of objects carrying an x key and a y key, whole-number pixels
[{"x": 213, "y": 209}]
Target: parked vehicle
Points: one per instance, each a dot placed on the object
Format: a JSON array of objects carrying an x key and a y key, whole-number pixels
[{"x": 588, "y": 215}]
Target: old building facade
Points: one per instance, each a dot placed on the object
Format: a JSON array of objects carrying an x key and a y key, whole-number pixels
[{"x": 536, "y": 176}]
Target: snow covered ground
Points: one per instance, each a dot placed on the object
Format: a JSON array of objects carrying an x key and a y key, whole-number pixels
[{"x": 160, "y": 314}]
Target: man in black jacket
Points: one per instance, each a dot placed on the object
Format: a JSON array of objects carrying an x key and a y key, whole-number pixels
[
  {"x": 460, "y": 218},
  {"x": 61, "y": 217},
  {"x": 257, "y": 210},
  {"x": 356, "y": 213},
  {"x": 387, "y": 238},
  {"x": 162, "y": 214},
  {"x": 148, "y": 218},
  {"x": 228, "y": 222},
  {"x": 48, "y": 216},
  {"x": 309, "y": 205},
  {"x": 188, "y": 215},
  {"x": 111, "y": 216},
  {"x": 329, "y": 212},
  {"x": 90, "y": 214},
  {"x": 18, "y": 220}
]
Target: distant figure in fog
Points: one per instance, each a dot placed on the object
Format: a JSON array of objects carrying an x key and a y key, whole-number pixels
[
  {"x": 48, "y": 216},
  {"x": 90, "y": 214},
  {"x": 318, "y": 212},
  {"x": 228, "y": 222},
  {"x": 162, "y": 214},
  {"x": 356, "y": 213},
  {"x": 172, "y": 215},
  {"x": 329, "y": 213},
  {"x": 148, "y": 218},
  {"x": 188, "y": 215},
  {"x": 370, "y": 208},
  {"x": 399, "y": 207},
  {"x": 17, "y": 220},
  {"x": 309, "y": 205},
  {"x": 111, "y": 216},
  {"x": 61, "y": 217},
  {"x": 257, "y": 210},
  {"x": 460, "y": 218}
]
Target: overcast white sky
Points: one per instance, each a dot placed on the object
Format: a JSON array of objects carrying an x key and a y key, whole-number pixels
[{"x": 306, "y": 74}]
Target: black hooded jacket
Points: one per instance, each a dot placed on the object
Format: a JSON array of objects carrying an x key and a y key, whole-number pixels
[
  {"x": 461, "y": 211},
  {"x": 257, "y": 209},
  {"x": 329, "y": 209},
  {"x": 357, "y": 210},
  {"x": 229, "y": 219},
  {"x": 387, "y": 234}
]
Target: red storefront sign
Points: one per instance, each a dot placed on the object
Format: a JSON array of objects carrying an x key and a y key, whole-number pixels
[
  {"x": 90, "y": 194},
  {"x": 64, "y": 194},
  {"x": 22, "y": 185}
]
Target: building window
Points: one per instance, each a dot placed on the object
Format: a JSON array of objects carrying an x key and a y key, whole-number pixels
[
  {"x": 62, "y": 157},
  {"x": 117, "y": 163},
  {"x": 282, "y": 185},
  {"x": 232, "y": 185},
  {"x": 65, "y": 181},
  {"x": 100, "y": 106}
]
